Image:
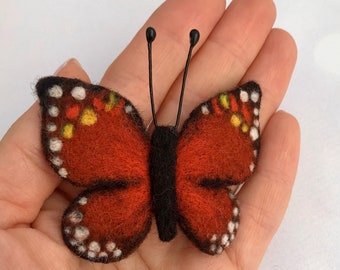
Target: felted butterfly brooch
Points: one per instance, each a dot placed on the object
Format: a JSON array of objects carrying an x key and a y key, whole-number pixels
[{"x": 95, "y": 138}]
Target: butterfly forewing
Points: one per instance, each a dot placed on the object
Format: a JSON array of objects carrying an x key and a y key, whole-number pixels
[
  {"x": 95, "y": 138},
  {"x": 218, "y": 147},
  {"x": 90, "y": 133}
]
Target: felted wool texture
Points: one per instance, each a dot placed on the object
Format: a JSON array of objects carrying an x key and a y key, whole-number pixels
[
  {"x": 163, "y": 176},
  {"x": 218, "y": 147},
  {"x": 219, "y": 142},
  {"x": 94, "y": 138},
  {"x": 104, "y": 224},
  {"x": 208, "y": 216}
]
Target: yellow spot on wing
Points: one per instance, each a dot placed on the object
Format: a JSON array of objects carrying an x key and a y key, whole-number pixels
[
  {"x": 244, "y": 127},
  {"x": 88, "y": 117},
  {"x": 67, "y": 131},
  {"x": 224, "y": 100},
  {"x": 236, "y": 120},
  {"x": 111, "y": 103}
]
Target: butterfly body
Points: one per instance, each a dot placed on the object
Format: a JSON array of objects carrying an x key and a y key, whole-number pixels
[
  {"x": 162, "y": 168},
  {"x": 95, "y": 138}
]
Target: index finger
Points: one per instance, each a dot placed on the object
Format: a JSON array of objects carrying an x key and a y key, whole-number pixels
[{"x": 128, "y": 74}]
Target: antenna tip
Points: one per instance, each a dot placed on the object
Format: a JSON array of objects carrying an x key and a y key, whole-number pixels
[
  {"x": 150, "y": 34},
  {"x": 194, "y": 37}
]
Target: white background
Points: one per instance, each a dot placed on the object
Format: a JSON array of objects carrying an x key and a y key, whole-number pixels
[{"x": 37, "y": 37}]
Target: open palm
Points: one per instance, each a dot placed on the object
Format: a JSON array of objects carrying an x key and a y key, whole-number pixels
[{"x": 237, "y": 44}]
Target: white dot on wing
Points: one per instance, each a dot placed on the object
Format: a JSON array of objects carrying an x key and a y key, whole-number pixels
[
  {"x": 78, "y": 93},
  {"x": 213, "y": 248},
  {"x": 55, "y": 144},
  {"x": 219, "y": 250},
  {"x": 128, "y": 109},
  {"x": 110, "y": 246},
  {"x": 231, "y": 226},
  {"x": 235, "y": 211},
  {"x": 81, "y": 233},
  {"x": 82, "y": 201},
  {"x": 254, "y": 96},
  {"x": 94, "y": 246},
  {"x": 81, "y": 249},
  {"x": 55, "y": 91},
  {"x": 75, "y": 217},
  {"x": 67, "y": 230},
  {"x": 53, "y": 111},
  {"x": 244, "y": 96},
  {"x": 251, "y": 167},
  {"x": 254, "y": 133},
  {"x": 117, "y": 253},
  {"x": 51, "y": 127},
  {"x": 73, "y": 242},
  {"x": 205, "y": 110},
  {"x": 213, "y": 238},
  {"x": 63, "y": 172},
  {"x": 91, "y": 254},
  {"x": 57, "y": 161},
  {"x": 224, "y": 239},
  {"x": 102, "y": 254}
]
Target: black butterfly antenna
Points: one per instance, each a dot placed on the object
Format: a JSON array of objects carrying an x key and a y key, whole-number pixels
[{"x": 150, "y": 37}]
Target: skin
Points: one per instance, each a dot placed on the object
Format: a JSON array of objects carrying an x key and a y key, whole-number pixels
[{"x": 237, "y": 44}]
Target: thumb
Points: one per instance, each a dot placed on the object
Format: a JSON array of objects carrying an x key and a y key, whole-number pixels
[{"x": 26, "y": 180}]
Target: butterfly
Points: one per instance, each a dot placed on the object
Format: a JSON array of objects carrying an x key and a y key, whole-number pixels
[{"x": 95, "y": 138}]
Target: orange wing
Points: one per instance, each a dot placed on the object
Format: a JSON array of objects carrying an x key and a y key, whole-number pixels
[
  {"x": 90, "y": 133},
  {"x": 95, "y": 138},
  {"x": 107, "y": 223},
  {"x": 218, "y": 147}
]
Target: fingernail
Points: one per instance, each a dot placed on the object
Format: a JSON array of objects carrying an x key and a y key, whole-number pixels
[{"x": 75, "y": 61}]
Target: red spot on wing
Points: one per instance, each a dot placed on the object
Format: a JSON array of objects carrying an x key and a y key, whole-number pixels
[
  {"x": 233, "y": 103},
  {"x": 98, "y": 104},
  {"x": 217, "y": 109},
  {"x": 247, "y": 113},
  {"x": 72, "y": 112}
]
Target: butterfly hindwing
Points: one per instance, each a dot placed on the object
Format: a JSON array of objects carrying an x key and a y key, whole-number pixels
[
  {"x": 105, "y": 224},
  {"x": 95, "y": 138},
  {"x": 218, "y": 147}
]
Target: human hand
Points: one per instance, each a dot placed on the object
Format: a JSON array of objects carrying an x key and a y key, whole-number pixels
[{"x": 236, "y": 45}]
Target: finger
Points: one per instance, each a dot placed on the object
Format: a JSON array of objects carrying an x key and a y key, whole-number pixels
[
  {"x": 224, "y": 57},
  {"x": 26, "y": 180},
  {"x": 128, "y": 74},
  {"x": 272, "y": 69},
  {"x": 264, "y": 199},
  {"x": 73, "y": 69}
]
